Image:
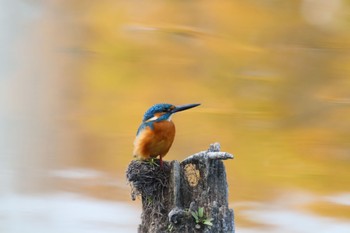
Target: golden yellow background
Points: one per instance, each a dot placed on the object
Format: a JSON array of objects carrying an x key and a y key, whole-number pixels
[{"x": 272, "y": 78}]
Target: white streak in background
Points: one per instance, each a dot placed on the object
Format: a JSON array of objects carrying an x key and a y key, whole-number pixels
[
  {"x": 321, "y": 13},
  {"x": 340, "y": 199},
  {"x": 283, "y": 215},
  {"x": 65, "y": 213},
  {"x": 89, "y": 177},
  {"x": 77, "y": 174},
  {"x": 292, "y": 221}
]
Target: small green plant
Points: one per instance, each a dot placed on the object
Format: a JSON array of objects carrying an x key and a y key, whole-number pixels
[
  {"x": 153, "y": 162},
  {"x": 200, "y": 218},
  {"x": 149, "y": 200},
  {"x": 170, "y": 228}
]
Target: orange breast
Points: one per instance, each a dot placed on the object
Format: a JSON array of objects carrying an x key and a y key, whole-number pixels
[{"x": 151, "y": 143}]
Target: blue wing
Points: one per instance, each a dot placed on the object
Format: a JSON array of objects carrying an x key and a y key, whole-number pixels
[{"x": 143, "y": 126}]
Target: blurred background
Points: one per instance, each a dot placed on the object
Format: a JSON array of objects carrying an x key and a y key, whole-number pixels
[{"x": 77, "y": 76}]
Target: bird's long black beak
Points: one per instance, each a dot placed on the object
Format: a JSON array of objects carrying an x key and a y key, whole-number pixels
[{"x": 184, "y": 107}]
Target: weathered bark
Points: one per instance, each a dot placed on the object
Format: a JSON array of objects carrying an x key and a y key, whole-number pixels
[{"x": 174, "y": 197}]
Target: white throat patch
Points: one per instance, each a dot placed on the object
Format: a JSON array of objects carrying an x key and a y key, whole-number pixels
[
  {"x": 152, "y": 118},
  {"x": 156, "y": 118}
]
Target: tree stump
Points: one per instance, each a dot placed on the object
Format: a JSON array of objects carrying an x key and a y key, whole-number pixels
[{"x": 186, "y": 197}]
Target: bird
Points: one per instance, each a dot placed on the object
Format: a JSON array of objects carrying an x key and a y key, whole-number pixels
[{"x": 156, "y": 133}]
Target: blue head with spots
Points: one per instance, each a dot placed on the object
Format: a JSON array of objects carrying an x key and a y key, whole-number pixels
[
  {"x": 161, "y": 112},
  {"x": 158, "y": 112}
]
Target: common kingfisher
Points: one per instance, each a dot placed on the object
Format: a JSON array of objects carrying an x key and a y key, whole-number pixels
[{"x": 156, "y": 133}]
